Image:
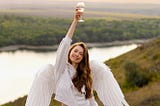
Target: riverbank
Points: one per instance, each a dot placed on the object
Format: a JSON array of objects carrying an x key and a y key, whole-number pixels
[{"x": 54, "y": 47}]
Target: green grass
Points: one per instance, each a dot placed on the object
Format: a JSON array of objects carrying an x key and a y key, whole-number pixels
[
  {"x": 147, "y": 57},
  {"x": 146, "y": 96}
]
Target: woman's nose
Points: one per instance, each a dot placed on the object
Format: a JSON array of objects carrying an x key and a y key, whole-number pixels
[{"x": 77, "y": 54}]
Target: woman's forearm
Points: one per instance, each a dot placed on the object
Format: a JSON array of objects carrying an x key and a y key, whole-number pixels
[{"x": 72, "y": 28}]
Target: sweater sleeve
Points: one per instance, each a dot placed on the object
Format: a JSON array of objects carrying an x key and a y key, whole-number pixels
[{"x": 61, "y": 58}]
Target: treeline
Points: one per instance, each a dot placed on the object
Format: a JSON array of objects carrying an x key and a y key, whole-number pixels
[{"x": 22, "y": 30}]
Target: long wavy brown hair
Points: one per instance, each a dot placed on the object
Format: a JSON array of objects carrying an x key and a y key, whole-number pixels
[{"x": 83, "y": 75}]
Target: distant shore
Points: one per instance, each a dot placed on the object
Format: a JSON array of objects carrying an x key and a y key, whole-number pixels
[{"x": 54, "y": 47}]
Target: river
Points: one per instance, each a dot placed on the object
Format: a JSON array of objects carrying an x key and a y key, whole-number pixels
[{"x": 17, "y": 69}]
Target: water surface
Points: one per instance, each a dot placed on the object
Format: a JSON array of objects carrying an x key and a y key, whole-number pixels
[{"x": 17, "y": 69}]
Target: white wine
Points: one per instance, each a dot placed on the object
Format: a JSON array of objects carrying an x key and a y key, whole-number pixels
[{"x": 80, "y": 6}]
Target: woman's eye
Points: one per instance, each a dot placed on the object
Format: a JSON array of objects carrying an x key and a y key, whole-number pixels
[
  {"x": 81, "y": 54},
  {"x": 75, "y": 50}
]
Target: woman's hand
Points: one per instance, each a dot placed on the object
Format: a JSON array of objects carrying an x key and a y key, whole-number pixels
[{"x": 77, "y": 14}]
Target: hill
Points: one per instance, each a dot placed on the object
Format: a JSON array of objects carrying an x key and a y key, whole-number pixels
[{"x": 145, "y": 59}]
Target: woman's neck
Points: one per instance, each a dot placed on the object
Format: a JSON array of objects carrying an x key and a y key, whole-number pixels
[{"x": 75, "y": 65}]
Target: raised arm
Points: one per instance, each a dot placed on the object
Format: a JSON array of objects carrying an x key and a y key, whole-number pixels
[
  {"x": 62, "y": 52},
  {"x": 74, "y": 24}
]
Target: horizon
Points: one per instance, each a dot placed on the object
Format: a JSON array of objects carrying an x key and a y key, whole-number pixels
[{"x": 107, "y": 1}]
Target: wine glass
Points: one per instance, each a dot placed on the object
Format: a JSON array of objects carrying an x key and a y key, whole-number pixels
[{"x": 80, "y": 6}]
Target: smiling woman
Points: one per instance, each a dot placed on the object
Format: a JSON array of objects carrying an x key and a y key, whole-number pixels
[
  {"x": 76, "y": 53},
  {"x": 73, "y": 77}
]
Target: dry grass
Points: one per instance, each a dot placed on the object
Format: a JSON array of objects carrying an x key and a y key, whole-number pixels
[
  {"x": 147, "y": 57},
  {"x": 147, "y": 94}
]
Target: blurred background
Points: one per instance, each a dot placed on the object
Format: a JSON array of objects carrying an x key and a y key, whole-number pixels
[{"x": 123, "y": 34}]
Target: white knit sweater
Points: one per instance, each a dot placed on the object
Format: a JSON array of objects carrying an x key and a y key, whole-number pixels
[{"x": 64, "y": 72}]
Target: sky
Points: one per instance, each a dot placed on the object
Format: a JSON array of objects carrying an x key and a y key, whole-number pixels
[
  {"x": 127, "y": 1},
  {"x": 112, "y": 1}
]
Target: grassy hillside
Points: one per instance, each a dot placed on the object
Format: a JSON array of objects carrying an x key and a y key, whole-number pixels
[
  {"x": 146, "y": 56},
  {"x": 145, "y": 59}
]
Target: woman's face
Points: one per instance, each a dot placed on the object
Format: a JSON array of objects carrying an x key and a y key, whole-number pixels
[{"x": 76, "y": 54}]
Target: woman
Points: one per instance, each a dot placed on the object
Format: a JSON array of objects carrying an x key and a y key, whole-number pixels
[
  {"x": 73, "y": 78},
  {"x": 77, "y": 67}
]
